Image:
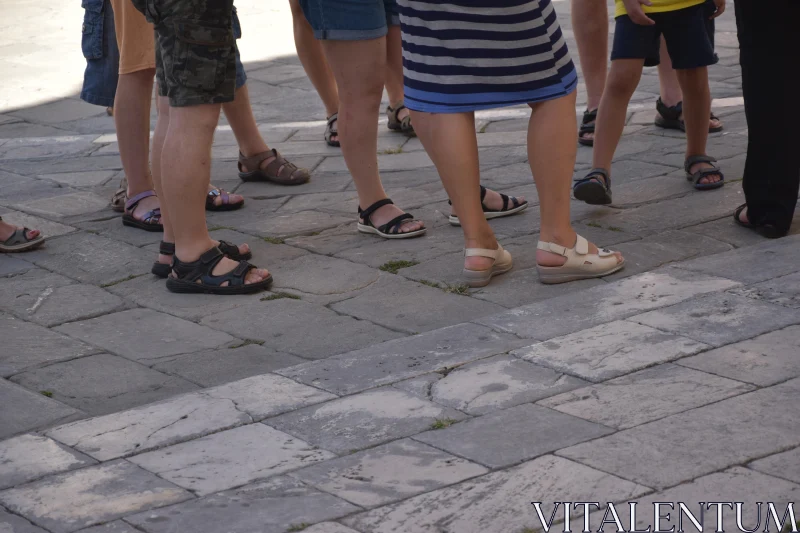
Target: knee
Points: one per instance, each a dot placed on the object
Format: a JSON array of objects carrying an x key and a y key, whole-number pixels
[{"x": 622, "y": 83}]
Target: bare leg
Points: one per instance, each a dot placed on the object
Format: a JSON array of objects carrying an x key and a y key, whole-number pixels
[
  {"x": 552, "y": 152},
  {"x": 359, "y": 70},
  {"x": 394, "y": 69},
  {"x": 311, "y": 56},
  {"x": 671, "y": 92},
  {"x": 696, "y": 108},
  {"x": 159, "y": 135},
  {"x": 450, "y": 141},
  {"x": 622, "y": 81},
  {"x": 186, "y": 159},
  {"x": 590, "y": 24},
  {"x": 132, "y": 120}
]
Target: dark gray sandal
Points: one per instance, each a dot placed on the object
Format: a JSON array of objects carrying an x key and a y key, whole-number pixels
[
  {"x": 19, "y": 242},
  {"x": 162, "y": 270},
  {"x": 196, "y": 277},
  {"x": 332, "y": 130},
  {"x": 696, "y": 176},
  {"x": 594, "y": 188}
]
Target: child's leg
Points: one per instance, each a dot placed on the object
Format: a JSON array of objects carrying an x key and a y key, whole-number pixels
[
  {"x": 696, "y": 108},
  {"x": 623, "y": 78}
]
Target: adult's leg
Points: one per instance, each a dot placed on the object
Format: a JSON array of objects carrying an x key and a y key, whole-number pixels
[
  {"x": 451, "y": 143},
  {"x": 590, "y": 25},
  {"x": 311, "y": 56},
  {"x": 552, "y": 152},
  {"x": 772, "y": 171},
  {"x": 359, "y": 67},
  {"x": 623, "y": 78}
]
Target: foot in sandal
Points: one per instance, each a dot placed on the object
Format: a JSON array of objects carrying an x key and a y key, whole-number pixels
[
  {"x": 388, "y": 221},
  {"x": 495, "y": 205},
  {"x": 15, "y": 239},
  {"x": 482, "y": 264},
  {"x": 273, "y": 167},
  {"x": 559, "y": 263},
  {"x": 213, "y": 273},
  {"x": 163, "y": 265}
]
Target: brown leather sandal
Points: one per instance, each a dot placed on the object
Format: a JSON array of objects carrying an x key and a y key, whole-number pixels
[{"x": 279, "y": 170}]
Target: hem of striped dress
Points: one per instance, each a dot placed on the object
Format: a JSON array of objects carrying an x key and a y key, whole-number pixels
[{"x": 427, "y": 107}]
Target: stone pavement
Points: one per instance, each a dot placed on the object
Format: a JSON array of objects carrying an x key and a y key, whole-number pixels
[{"x": 369, "y": 391}]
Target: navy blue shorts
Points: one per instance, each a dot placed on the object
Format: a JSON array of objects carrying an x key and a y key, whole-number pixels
[
  {"x": 350, "y": 20},
  {"x": 686, "y": 32}
]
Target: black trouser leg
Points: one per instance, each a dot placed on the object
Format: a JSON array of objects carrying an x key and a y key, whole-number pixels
[{"x": 770, "y": 57}]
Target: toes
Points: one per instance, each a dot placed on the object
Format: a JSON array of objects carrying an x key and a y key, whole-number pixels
[
  {"x": 33, "y": 233},
  {"x": 244, "y": 248}
]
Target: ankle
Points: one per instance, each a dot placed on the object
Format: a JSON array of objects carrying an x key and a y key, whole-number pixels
[
  {"x": 192, "y": 251},
  {"x": 562, "y": 236},
  {"x": 140, "y": 185},
  {"x": 250, "y": 151}
]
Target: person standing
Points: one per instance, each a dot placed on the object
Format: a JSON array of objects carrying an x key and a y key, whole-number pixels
[
  {"x": 460, "y": 57},
  {"x": 769, "y": 49}
]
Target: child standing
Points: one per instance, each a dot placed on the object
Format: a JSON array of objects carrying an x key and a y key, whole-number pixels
[{"x": 639, "y": 27}]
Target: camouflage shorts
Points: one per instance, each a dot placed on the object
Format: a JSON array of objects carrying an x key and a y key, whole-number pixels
[{"x": 195, "y": 50}]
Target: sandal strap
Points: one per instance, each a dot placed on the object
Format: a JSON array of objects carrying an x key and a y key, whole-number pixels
[
  {"x": 591, "y": 176},
  {"x": 393, "y": 226},
  {"x": 484, "y": 252},
  {"x": 581, "y": 247},
  {"x": 213, "y": 193},
  {"x": 333, "y": 118},
  {"x": 20, "y": 236},
  {"x": 694, "y": 159},
  {"x": 230, "y": 250},
  {"x": 166, "y": 248},
  {"x": 280, "y": 166},
  {"x": 395, "y": 111},
  {"x": 589, "y": 116},
  {"x": 132, "y": 202},
  {"x": 669, "y": 112},
  {"x": 201, "y": 269},
  {"x": 365, "y": 214}
]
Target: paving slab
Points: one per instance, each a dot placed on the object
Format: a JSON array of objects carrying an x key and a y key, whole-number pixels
[
  {"x": 151, "y": 426},
  {"x": 91, "y": 258},
  {"x": 276, "y": 505},
  {"x": 784, "y": 465},
  {"x": 44, "y": 147},
  {"x": 81, "y": 179},
  {"x": 268, "y": 395},
  {"x": 28, "y": 345},
  {"x": 498, "y": 502},
  {"x": 13, "y": 265},
  {"x": 102, "y": 383},
  {"x": 301, "y": 223},
  {"x": 602, "y": 304},
  {"x": 388, "y": 473},
  {"x": 477, "y": 439},
  {"x": 222, "y": 365},
  {"x": 231, "y": 458},
  {"x": 723, "y": 230},
  {"x": 412, "y": 307},
  {"x": 753, "y": 264},
  {"x": 329, "y": 527},
  {"x": 288, "y": 322},
  {"x": 400, "y": 359},
  {"x": 98, "y": 494},
  {"x": 611, "y": 350},
  {"x": 29, "y": 457},
  {"x": 497, "y": 383},
  {"x": 645, "y": 396},
  {"x": 720, "y": 319},
  {"x": 24, "y": 410},
  {"x": 700, "y": 441},
  {"x": 113, "y": 228},
  {"x": 51, "y": 299},
  {"x": 363, "y": 420},
  {"x": 783, "y": 291},
  {"x": 117, "y": 526},
  {"x": 375, "y": 253},
  {"x": 16, "y": 524},
  {"x": 325, "y": 275},
  {"x": 66, "y": 205},
  {"x": 764, "y": 360},
  {"x": 143, "y": 335},
  {"x": 49, "y": 228}
]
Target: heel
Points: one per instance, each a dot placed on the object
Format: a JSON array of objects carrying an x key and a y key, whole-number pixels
[{"x": 503, "y": 262}]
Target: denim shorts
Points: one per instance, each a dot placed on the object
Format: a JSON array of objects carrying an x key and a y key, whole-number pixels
[
  {"x": 350, "y": 20},
  {"x": 99, "y": 44}
]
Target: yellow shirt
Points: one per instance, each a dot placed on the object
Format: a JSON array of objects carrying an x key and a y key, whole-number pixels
[{"x": 659, "y": 6}]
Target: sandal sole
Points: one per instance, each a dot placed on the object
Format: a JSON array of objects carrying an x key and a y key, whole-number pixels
[
  {"x": 128, "y": 220},
  {"x": 257, "y": 176},
  {"x": 592, "y": 194},
  {"x": 476, "y": 279},
  {"x": 585, "y": 142},
  {"x": 491, "y": 215},
  {"x": 26, "y": 247},
  {"x": 554, "y": 278},
  {"x": 705, "y": 186},
  {"x": 369, "y": 230},
  {"x": 187, "y": 287},
  {"x": 225, "y": 207}
]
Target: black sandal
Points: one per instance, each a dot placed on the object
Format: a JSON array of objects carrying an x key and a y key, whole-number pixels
[
  {"x": 593, "y": 190},
  {"x": 330, "y": 131},
  {"x": 587, "y": 126},
  {"x": 764, "y": 229},
  {"x": 390, "y": 230},
  {"x": 185, "y": 276},
  {"x": 703, "y": 172},
  {"x": 162, "y": 270},
  {"x": 495, "y": 213},
  {"x": 395, "y": 124},
  {"x": 669, "y": 117}
]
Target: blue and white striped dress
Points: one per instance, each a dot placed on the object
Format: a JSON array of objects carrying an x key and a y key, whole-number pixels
[{"x": 465, "y": 55}]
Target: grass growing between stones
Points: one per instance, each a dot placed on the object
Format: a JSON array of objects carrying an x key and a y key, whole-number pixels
[
  {"x": 47, "y": 393},
  {"x": 297, "y": 527},
  {"x": 593, "y": 225},
  {"x": 279, "y": 295},
  {"x": 460, "y": 288},
  {"x": 246, "y": 342},
  {"x": 273, "y": 240},
  {"x": 392, "y": 151},
  {"x": 443, "y": 423},
  {"x": 393, "y": 266}
]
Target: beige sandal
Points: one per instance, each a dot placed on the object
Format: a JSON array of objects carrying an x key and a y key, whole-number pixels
[
  {"x": 481, "y": 278},
  {"x": 580, "y": 263}
]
